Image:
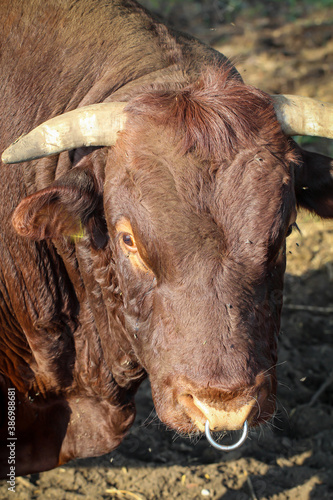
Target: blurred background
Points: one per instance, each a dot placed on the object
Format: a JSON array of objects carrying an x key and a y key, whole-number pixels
[{"x": 282, "y": 47}]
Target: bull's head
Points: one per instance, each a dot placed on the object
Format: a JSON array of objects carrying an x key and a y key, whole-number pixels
[{"x": 191, "y": 204}]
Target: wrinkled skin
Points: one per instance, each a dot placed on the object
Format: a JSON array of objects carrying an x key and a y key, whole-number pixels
[{"x": 162, "y": 256}]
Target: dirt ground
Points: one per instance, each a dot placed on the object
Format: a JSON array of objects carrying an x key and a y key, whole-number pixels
[{"x": 292, "y": 458}]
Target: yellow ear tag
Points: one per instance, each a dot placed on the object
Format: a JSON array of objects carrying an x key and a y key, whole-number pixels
[{"x": 79, "y": 234}]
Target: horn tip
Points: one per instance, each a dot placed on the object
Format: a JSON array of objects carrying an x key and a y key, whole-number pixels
[
  {"x": 10, "y": 154},
  {"x": 6, "y": 157}
]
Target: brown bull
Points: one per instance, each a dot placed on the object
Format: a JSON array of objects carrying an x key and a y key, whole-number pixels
[{"x": 151, "y": 242}]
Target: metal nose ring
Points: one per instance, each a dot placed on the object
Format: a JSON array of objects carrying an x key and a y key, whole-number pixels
[{"x": 222, "y": 447}]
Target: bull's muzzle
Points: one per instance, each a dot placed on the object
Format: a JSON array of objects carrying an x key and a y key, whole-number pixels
[
  {"x": 218, "y": 420},
  {"x": 222, "y": 420},
  {"x": 211, "y": 411}
]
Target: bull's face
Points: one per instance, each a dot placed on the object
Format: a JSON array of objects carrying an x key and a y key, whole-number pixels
[
  {"x": 186, "y": 219},
  {"x": 199, "y": 248}
]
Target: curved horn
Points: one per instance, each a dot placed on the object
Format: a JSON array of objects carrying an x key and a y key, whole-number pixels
[
  {"x": 303, "y": 116},
  {"x": 94, "y": 125},
  {"x": 98, "y": 124}
]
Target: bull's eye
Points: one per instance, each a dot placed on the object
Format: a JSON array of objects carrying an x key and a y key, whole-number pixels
[{"x": 129, "y": 242}]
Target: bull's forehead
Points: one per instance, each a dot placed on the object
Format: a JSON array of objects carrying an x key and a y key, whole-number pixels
[
  {"x": 255, "y": 182},
  {"x": 198, "y": 157},
  {"x": 188, "y": 205}
]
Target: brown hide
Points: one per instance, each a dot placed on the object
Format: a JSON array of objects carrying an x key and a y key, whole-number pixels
[{"x": 162, "y": 256}]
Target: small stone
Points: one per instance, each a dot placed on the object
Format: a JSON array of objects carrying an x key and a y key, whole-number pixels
[{"x": 205, "y": 493}]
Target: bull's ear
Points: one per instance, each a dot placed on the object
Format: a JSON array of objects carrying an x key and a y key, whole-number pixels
[
  {"x": 314, "y": 183},
  {"x": 70, "y": 207}
]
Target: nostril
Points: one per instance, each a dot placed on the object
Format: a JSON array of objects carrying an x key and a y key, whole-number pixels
[{"x": 192, "y": 410}]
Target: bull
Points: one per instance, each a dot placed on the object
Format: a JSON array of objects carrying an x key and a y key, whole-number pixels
[{"x": 142, "y": 231}]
